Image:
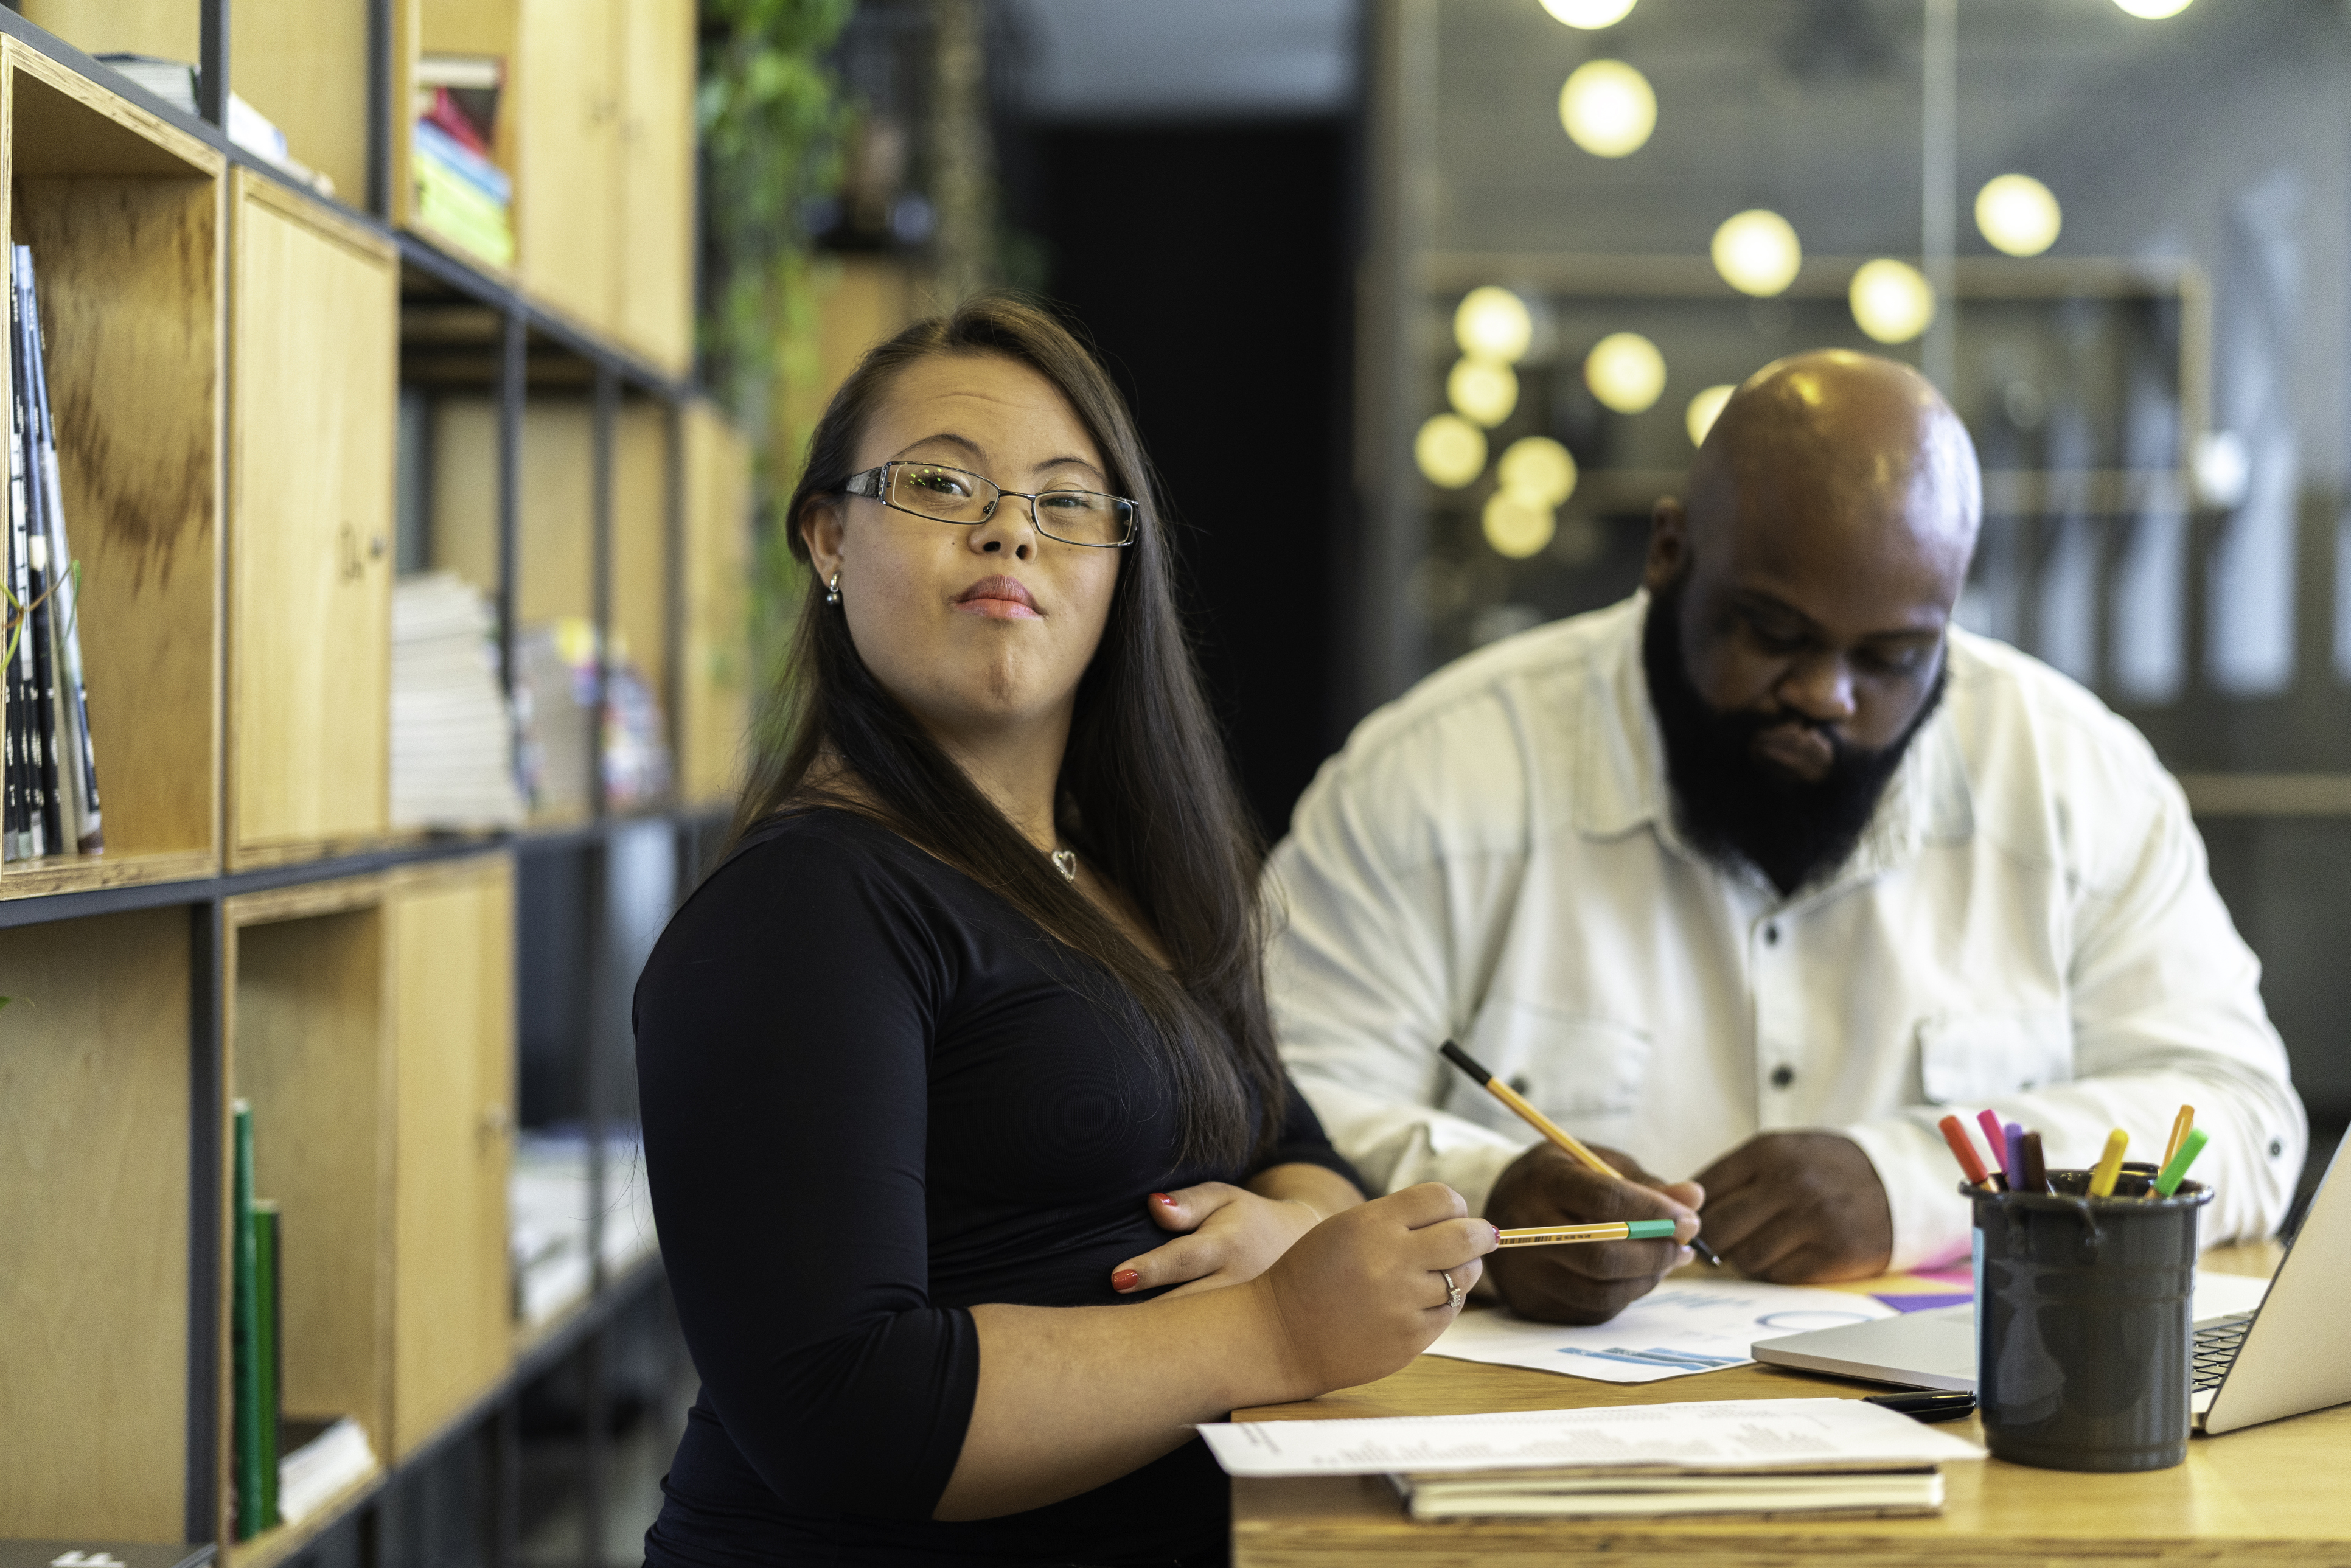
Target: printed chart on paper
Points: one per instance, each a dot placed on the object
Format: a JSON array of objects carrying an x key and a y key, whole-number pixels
[{"x": 1679, "y": 1329}]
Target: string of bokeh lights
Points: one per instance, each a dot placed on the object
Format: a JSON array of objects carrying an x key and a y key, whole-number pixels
[{"x": 1609, "y": 110}]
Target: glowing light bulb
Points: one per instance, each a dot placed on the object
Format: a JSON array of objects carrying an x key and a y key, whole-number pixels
[
  {"x": 1517, "y": 525},
  {"x": 1494, "y": 324},
  {"x": 1625, "y": 371},
  {"x": 2018, "y": 214},
  {"x": 2153, "y": 10},
  {"x": 1589, "y": 13},
  {"x": 1892, "y": 300},
  {"x": 1608, "y": 108},
  {"x": 1703, "y": 410},
  {"x": 1483, "y": 391},
  {"x": 1449, "y": 451},
  {"x": 1538, "y": 468},
  {"x": 1757, "y": 252}
]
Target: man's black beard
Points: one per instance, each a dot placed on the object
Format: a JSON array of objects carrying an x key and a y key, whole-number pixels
[{"x": 1732, "y": 802}]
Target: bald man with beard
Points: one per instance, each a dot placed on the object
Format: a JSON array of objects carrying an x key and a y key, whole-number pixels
[{"x": 1751, "y": 878}]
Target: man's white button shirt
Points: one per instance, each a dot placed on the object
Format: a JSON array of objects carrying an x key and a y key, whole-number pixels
[{"x": 2027, "y": 924}]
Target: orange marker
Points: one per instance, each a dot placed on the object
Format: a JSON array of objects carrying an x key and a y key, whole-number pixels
[{"x": 1955, "y": 1132}]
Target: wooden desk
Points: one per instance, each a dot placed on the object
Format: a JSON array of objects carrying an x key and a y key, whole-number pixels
[{"x": 2267, "y": 1495}]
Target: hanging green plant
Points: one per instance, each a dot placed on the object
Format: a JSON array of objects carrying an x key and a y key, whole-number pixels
[{"x": 772, "y": 117}]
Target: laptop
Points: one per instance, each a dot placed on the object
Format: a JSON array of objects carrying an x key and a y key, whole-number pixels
[{"x": 2264, "y": 1349}]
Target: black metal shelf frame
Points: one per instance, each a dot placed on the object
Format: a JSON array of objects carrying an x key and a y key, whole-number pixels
[{"x": 615, "y": 371}]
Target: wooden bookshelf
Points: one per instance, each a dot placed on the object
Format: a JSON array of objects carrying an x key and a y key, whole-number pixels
[
  {"x": 123, "y": 214},
  {"x": 309, "y": 1049},
  {"x": 313, "y": 383},
  {"x": 453, "y": 957},
  {"x": 94, "y": 1275},
  {"x": 226, "y": 352}
]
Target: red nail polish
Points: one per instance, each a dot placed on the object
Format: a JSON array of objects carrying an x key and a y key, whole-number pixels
[
  {"x": 1496, "y": 1230},
  {"x": 1125, "y": 1279},
  {"x": 1163, "y": 1198}
]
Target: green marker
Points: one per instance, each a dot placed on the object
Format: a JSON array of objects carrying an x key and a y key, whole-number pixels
[{"x": 2167, "y": 1181}]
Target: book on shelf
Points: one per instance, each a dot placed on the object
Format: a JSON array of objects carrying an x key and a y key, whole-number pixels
[
  {"x": 324, "y": 1456},
  {"x": 89, "y": 1553},
  {"x": 84, "y": 829},
  {"x": 51, "y": 784},
  {"x": 460, "y": 191},
  {"x": 245, "y": 1330},
  {"x": 453, "y": 731},
  {"x": 556, "y": 700},
  {"x": 176, "y": 82}
]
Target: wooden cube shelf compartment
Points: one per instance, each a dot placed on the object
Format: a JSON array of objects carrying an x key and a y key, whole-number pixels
[
  {"x": 314, "y": 376},
  {"x": 372, "y": 1033},
  {"x": 310, "y": 1050},
  {"x": 302, "y": 63},
  {"x": 123, "y": 216},
  {"x": 595, "y": 128},
  {"x": 94, "y": 1240}
]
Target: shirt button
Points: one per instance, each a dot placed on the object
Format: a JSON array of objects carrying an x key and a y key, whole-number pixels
[
  {"x": 2277, "y": 1148},
  {"x": 1782, "y": 1075},
  {"x": 1771, "y": 936}
]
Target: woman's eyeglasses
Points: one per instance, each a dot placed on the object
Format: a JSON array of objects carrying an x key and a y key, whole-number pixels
[{"x": 956, "y": 495}]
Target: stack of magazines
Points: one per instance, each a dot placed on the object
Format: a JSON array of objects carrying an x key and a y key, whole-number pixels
[{"x": 49, "y": 785}]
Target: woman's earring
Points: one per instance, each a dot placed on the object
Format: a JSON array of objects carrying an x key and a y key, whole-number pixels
[{"x": 832, "y": 590}]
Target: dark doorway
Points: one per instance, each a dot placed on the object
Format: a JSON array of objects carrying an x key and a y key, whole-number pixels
[{"x": 1212, "y": 266}]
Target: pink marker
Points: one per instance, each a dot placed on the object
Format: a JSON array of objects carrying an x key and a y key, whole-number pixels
[{"x": 1996, "y": 1136}]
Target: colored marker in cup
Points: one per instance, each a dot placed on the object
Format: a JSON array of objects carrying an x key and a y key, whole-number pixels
[
  {"x": 2167, "y": 1181},
  {"x": 1996, "y": 1141},
  {"x": 1955, "y": 1132},
  {"x": 2109, "y": 1168}
]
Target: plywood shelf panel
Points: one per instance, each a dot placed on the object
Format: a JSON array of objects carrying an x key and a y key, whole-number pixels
[
  {"x": 315, "y": 330},
  {"x": 454, "y": 961},
  {"x": 123, "y": 216},
  {"x": 94, "y": 1249}
]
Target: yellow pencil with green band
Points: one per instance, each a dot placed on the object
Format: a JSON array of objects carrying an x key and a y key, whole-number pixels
[
  {"x": 1570, "y": 1145},
  {"x": 2109, "y": 1168},
  {"x": 1556, "y": 1235}
]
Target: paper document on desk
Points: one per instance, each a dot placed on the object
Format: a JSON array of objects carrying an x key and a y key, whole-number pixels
[
  {"x": 1739, "y": 1436},
  {"x": 1680, "y": 1328}
]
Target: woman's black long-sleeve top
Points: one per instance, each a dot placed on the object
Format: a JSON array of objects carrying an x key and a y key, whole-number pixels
[{"x": 874, "y": 1096}]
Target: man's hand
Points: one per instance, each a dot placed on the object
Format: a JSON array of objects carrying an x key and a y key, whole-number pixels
[
  {"x": 1593, "y": 1282},
  {"x": 1795, "y": 1208}
]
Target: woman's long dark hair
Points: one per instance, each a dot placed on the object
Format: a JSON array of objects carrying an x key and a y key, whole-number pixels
[{"x": 1146, "y": 790}]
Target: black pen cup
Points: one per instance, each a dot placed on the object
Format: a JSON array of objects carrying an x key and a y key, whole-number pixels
[{"x": 2084, "y": 1322}]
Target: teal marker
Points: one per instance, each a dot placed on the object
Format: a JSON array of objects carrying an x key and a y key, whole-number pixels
[{"x": 2167, "y": 1181}]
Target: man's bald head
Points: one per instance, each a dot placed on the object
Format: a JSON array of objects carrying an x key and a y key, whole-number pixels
[
  {"x": 1860, "y": 446},
  {"x": 1811, "y": 575}
]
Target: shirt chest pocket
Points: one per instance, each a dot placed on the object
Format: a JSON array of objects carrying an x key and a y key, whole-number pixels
[
  {"x": 1568, "y": 1064},
  {"x": 1970, "y": 1059}
]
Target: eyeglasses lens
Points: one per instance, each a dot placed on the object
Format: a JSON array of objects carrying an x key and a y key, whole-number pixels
[{"x": 952, "y": 496}]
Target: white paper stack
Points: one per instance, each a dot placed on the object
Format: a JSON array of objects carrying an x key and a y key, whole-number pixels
[
  {"x": 548, "y": 1203},
  {"x": 1733, "y": 1456},
  {"x": 452, "y": 734},
  {"x": 320, "y": 1466}
]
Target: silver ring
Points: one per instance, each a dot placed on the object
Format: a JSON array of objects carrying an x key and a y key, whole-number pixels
[{"x": 1452, "y": 1290}]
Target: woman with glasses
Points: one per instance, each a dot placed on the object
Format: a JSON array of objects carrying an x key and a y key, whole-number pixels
[{"x": 970, "y": 1020}]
